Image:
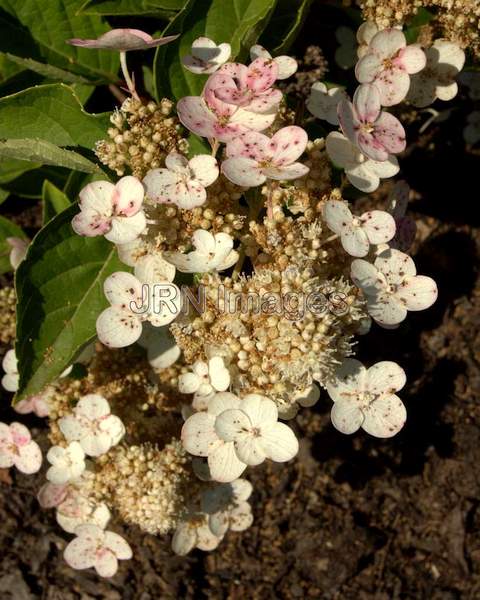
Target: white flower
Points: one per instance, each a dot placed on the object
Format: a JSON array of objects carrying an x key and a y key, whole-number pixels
[
  {"x": 365, "y": 34},
  {"x": 67, "y": 463},
  {"x": 361, "y": 171},
  {"x": 286, "y": 64},
  {"x": 392, "y": 287},
  {"x": 94, "y": 547},
  {"x": 193, "y": 532},
  {"x": 183, "y": 182},
  {"x": 10, "y": 366},
  {"x": 357, "y": 233},
  {"x": 437, "y": 80},
  {"x": 346, "y": 53},
  {"x": 19, "y": 247},
  {"x": 77, "y": 510},
  {"x": 92, "y": 425},
  {"x": 365, "y": 398},
  {"x": 204, "y": 380},
  {"x": 323, "y": 102},
  {"x": 213, "y": 252},
  {"x": 37, "y": 404},
  {"x": 51, "y": 495},
  {"x": 153, "y": 268},
  {"x": 234, "y": 433},
  {"x": 114, "y": 211},
  {"x": 162, "y": 350},
  {"x": 18, "y": 449},
  {"x": 133, "y": 303},
  {"x": 227, "y": 507},
  {"x": 206, "y": 56}
]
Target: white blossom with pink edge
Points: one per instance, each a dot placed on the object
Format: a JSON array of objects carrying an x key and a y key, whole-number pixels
[
  {"x": 114, "y": 211},
  {"x": 323, "y": 102},
  {"x": 132, "y": 304},
  {"x": 77, "y": 510},
  {"x": 366, "y": 398},
  {"x": 249, "y": 87},
  {"x": 19, "y": 247},
  {"x": 360, "y": 171},
  {"x": 183, "y": 181},
  {"x": 254, "y": 157},
  {"x": 210, "y": 117},
  {"x": 286, "y": 65},
  {"x": 67, "y": 463},
  {"x": 376, "y": 133},
  {"x": 123, "y": 40},
  {"x": 357, "y": 233},
  {"x": 37, "y": 404},
  {"x": 18, "y": 449},
  {"x": 94, "y": 547},
  {"x": 92, "y": 425},
  {"x": 392, "y": 287},
  {"x": 213, "y": 252},
  {"x": 388, "y": 63},
  {"x": 206, "y": 57}
]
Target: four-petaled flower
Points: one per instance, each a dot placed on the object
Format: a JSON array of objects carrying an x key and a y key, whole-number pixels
[
  {"x": 75, "y": 509},
  {"x": 67, "y": 463},
  {"x": 123, "y": 40},
  {"x": 206, "y": 57},
  {"x": 18, "y": 449},
  {"x": 213, "y": 252},
  {"x": 227, "y": 507},
  {"x": 94, "y": 547},
  {"x": 377, "y": 133},
  {"x": 205, "y": 378},
  {"x": 357, "y": 233},
  {"x": 445, "y": 60},
  {"x": 37, "y": 404},
  {"x": 254, "y": 157},
  {"x": 323, "y": 102},
  {"x": 183, "y": 182},
  {"x": 286, "y": 64},
  {"x": 389, "y": 62},
  {"x": 392, "y": 287},
  {"x": 366, "y": 398},
  {"x": 361, "y": 171},
  {"x": 133, "y": 303},
  {"x": 92, "y": 425},
  {"x": 234, "y": 433},
  {"x": 10, "y": 366},
  {"x": 193, "y": 532},
  {"x": 114, "y": 211}
]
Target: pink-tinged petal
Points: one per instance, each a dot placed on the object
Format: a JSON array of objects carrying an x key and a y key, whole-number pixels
[
  {"x": 128, "y": 196},
  {"x": 346, "y": 416},
  {"x": 51, "y": 495},
  {"x": 387, "y": 43},
  {"x": 224, "y": 463},
  {"x": 418, "y": 293},
  {"x": 248, "y": 120},
  {"x": 365, "y": 276},
  {"x": 117, "y": 328},
  {"x": 196, "y": 116},
  {"x": 354, "y": 241},
  {"x": 349, "y": 121},
  {"x": 261, "y": 411},
  {"x": 367, "y": 68},
  {"x": 198, "y": 434},
  {"x": 220, "y": 79},
  {"x": 286, "y": 66},
  {"x": 349, "y": 380},
  {"x": 378, "y": 225},
  {"x": 395, "y": 265},
  {"x": 123, "y": 40},
  {"x": 265, "y": 102},
  {"x": 288, "y": 144},
  {"x": 385, "y": 377},
  {"x": 90, "y": 223},
  {"x": 232, "y": 424},
  {"x": 106, "y": 563},
  {"x": 122, "y": 288},
  {"x": 97, "y": 196},
  {"x": 29, "y": 458},
  {"x": 287, "y": 172},
  {"x": 126, "y": 229},
  {"x": 204, "y": 169},
  {"x": 393, "y": 85},
  {"x": 279, "y": 442},
  {"x": 371, "y": 147},
  {"x": 385, "y": 309},
  {"x": 337, "y": 215},
  {"x": 117, "y": 545},
  {"x": 262, "y": 73},
  {"x": 160, "y": 185},
  {"x": 243, "y": 171},
  {"x": 389, "y": 132},
  {"x": 80, "y": 553},
  {"x": 20, "y": 434},
  {"x": 412, "y": 59},
  {"x": 251, "y": 144},
  {"x": 385, "y": 417},
  {"x": 367, "y": 102}
]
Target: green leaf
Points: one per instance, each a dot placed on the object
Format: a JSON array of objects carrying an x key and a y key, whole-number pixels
[
  {"x": 12, "y": 168},
  {"x": 239, "y": 22},
  {"x": 4, "y": 194},
  {"x": 7, "y": 68},
  {"x": 7, "y": 229},
  {"x": 20, "y": 81},
  {"x": 285, "y": 25},
  {"x": 51, "y": 112},
  {"x": 39, "y": 29},
  {"x": 131, "y": 7},
  {"x": 29, "y": 184},
  {"x": 54, "y": 201},
  {"x": 60, "y": 295},
  {"x": 48, "y": 71},
  {"x": 46, "y": 153}
]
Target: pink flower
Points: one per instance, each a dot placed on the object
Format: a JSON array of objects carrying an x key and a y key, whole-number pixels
[
  {"x": 210, "y": 117},
  {"x": 111, "y": 210},
  {"x": 286, "y": 64},
  {"x": 254, "y": 157},
  {"x": 123, "y": 40},
  {"x": 37, "y": 404},
  {"x": 249, "y": 87},
  {"x": 375, "y": 132},
  {"x": 388, "y": 63},
  {"x": 18, "y": 449}
]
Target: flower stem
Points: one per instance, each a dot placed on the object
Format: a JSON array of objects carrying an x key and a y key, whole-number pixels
[{"x": 126, "y": 75}]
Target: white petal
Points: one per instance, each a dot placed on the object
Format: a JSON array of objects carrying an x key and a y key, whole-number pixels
[
  {"x": 219, "y": 374},
  {"x": 72, "y": 428},
  {"x": 198, "y": 434},
  {"x": 354, "y": 241},
  {"x": 10, "y": 382},
  {"x": 418, "y": 293},
  {"x": 379, "y": 226},
  {"x": 349, "y": 381},
  {"x": 218, "y": 523},
  {"x": 365, "y": 276},
  {"x": 341, "y": 151},
  {"x": 337, "y": 215},
  {"x": 385, "y": 417},
  {"x": 206, "y": 540},
  {"x": 129, "y": 196},
  {"x": 224, "y": 464},
  {"x": 122, "y": 288},
  {"x": 395, "y": 265},
  {"x": 10, "y": 362},
  {"x": 223, "y": 401},
  {"x": 231, "y": 424},
  {"x": 279, "y": 442},
  {"x": 243, "y": 171},
  {"x": 188, "y": 383},
  {"x": 346, "y": 416},
  {"x": 241, "y": 517},
  {"x": 287, "y": 172},
  {"x": 261, "y": 410},
  {"x": 106, "y": 563},
  {"x": 118, "y": 328},
  {"x": 286, "y": 66},
  {"x": 98, "y": 196},
  {"x": 385, "y": 309},
  {"x": 29, "y": 458},
  {"x": 126, "y": 229},
  {"x": 80, "y": 553},
  {"x": 385, "y": 377},
  {"x": 184, "y": 539},
  {"x": 308, "y": 397},
  {"x": 205, "y": 169},
  {"x": 117, "y": 545},
  {"x": 92, "y": 406}
]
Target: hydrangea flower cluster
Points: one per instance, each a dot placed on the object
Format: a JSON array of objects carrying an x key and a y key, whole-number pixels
[{"x": 247, "y": 276}]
